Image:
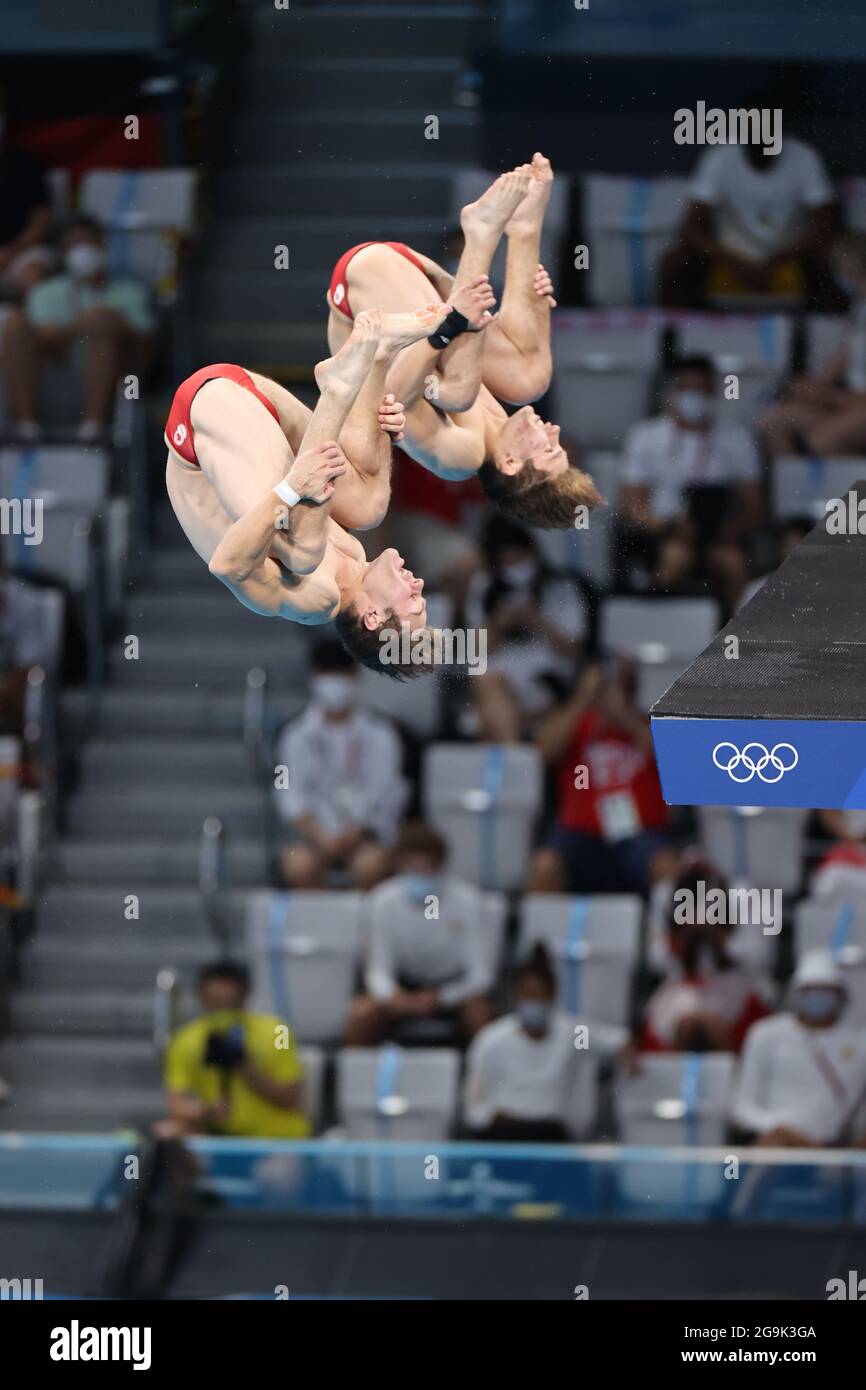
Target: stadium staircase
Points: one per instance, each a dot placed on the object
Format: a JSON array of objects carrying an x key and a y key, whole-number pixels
[
  {"x": 329, "y": 150},
  {"x": 322, "y": 127}
]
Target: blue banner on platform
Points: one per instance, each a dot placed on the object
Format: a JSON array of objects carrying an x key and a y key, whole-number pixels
[{"x": 761, "y": 762}]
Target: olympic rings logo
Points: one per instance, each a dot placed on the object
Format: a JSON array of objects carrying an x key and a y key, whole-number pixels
[{"x": 755, "y": 765}]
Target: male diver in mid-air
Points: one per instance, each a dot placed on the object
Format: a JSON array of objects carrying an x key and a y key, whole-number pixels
[
  {"x": 254, "y": 475},
  {"x": 449, "y": 382}
]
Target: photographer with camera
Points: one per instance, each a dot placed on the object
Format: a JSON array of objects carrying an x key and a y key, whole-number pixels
[{"x": 232, "y": 1071}]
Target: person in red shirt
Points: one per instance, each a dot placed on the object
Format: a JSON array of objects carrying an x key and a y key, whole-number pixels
[{"x": 611, "y": 823}]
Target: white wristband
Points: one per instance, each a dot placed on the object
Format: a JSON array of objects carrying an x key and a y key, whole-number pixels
[{"x": 287, "y": 493}]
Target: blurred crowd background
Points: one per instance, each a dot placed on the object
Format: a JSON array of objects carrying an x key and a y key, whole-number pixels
[{"x": 215, "y": 826}]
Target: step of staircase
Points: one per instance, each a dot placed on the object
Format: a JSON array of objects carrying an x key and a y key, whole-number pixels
[
  {"x": 248, "y": 242},
  {"x": 37, "y": 1062},
  {"x": 315, "y": 136},
  {"x": 164, "y": 912},
  {"x": 163, "y": 761},
  {"x": 131, "y": 964},
  {"x": 93, "y": 1013},
  {"x": 343, "y": 30},
  {"x": 187, "y": 713},
  {"x": 128, "y": 863},
  {"x": 83, "y": 1110},
  {"x": 353, "y": 82},
  {"x": 157, "y": 812}
]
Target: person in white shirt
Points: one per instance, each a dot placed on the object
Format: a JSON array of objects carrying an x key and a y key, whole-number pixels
[
  {"x": 692, "y": 468},
  {"x": 339, "y": 785},
  {"x": 802, "y": 1079},
  {"x": 825, "y": 413},
  {"x": 522, "y": 1069},
  {"x": 757, "y": 225},
  {"x": 427, "y": 955}
]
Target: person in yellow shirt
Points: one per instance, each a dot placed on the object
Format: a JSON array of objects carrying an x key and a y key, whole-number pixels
[{"x": 231, "y": 1071}]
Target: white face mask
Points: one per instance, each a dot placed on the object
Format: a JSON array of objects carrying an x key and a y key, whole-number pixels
[
  {"x": 333, "y": 693},
  {"x": 520, "y": 574},
  {"x": 692, "y": 406},
  {"x": 84, "y": 260}
]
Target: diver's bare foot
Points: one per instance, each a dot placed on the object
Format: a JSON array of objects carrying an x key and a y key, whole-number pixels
[
  {"x": 488, "y": 216},
  {"x": 397, "y": 331},
  {"x": 350, "y": 365},
  {"x": 530, "y": 213}
]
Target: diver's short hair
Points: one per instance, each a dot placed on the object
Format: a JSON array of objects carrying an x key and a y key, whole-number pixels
[
  {"x": 536, "y": 499},
  {"x": 366, "y": 644}
]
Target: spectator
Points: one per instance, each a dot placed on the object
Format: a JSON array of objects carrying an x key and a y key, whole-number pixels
[
  {"x": 521, "y": 1069},
  {"x": 756, "y": 225},
  {"x": 345, "y": 791},
  {"x": 21, "y": 646},
  {"x": 427, "y": 956},
  {"x": 535, "y": 620},
  {"x": 826, "y": 413},
  {"x": 708, "y": 1002},
  {"x": 25, "y": 218},
  {"x": 232, "y": 1071},
  {"x": 610, "y": 832},
  {"x": 803, "y": 1074},
  {"x": 104, "y": 321},
  {"x": 691, "y": 467}
]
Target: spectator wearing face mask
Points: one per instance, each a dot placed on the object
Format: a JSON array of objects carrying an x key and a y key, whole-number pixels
[
  {"x": 802, "y": 1077},
  {"x": 825, "y": 414},
  {"x": 344, "y": 791},
  {"x": 536, "y": 621},
  {"x": 103, "y": 322},
  {"x": 691, "y": 466},
  {"x": 520, "y": 1070},
  {"x": 427, "y": 955},
  {"x": 707, "y": 1002}
]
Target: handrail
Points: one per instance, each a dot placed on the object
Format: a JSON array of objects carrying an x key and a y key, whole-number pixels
[
  {"x": 165, "y": 1008},
  {"x": 211, "y": 877},
  {"x": 88, "y": 531},
  {"x": 255, "y": 715}
]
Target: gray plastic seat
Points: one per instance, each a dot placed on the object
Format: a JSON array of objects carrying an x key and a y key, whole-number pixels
[
  {"x": 594, "y": 943},
  {"x": 392, "y": 1093},
  {"x": 675, "y": 1099},
  {"x": 484, "y": 799},
  {"x": 303, "y": 951}
]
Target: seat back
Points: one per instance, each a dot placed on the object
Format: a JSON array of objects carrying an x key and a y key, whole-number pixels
[
  {"x": 303, "y": 950},
  {"x": 393, "y": 1093},
  {"x": 484, "y": 799},
  {"x": 594, "y": 943},
  {"x": 675, "y": 1099}
]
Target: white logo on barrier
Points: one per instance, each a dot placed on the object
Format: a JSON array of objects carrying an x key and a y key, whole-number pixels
[
  {"x": 754, "y": 765},
  {"x": 179, "y": 435}
]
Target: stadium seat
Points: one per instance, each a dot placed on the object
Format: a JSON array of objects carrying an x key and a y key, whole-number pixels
[
  {"x": 604, "y": 364},
  {"x": 64, "y": 553},
  {"x": 303, "y": 950},
  {"x": 675, "y": 1099},
  {"x": 629, "y": 224},
  {"x": 392, "y": 1093},
  {"x": 484, "y": 799},
  {"x": 595, "y": 945},
  {"x": 758, "y": 845},
  {"x": 802, "y": 486},
  {"x": 10, "y": 758},
  {"x": 147, "y": 213},
  {"x": 663, "y": 635},
  {"x": 45, "y": 613},
  {"x": 421, "y": 715},
  {"x": 756, "y": 348},
  {"x": 65, "y": 474},
  {"x": 840, "y": 928}
]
